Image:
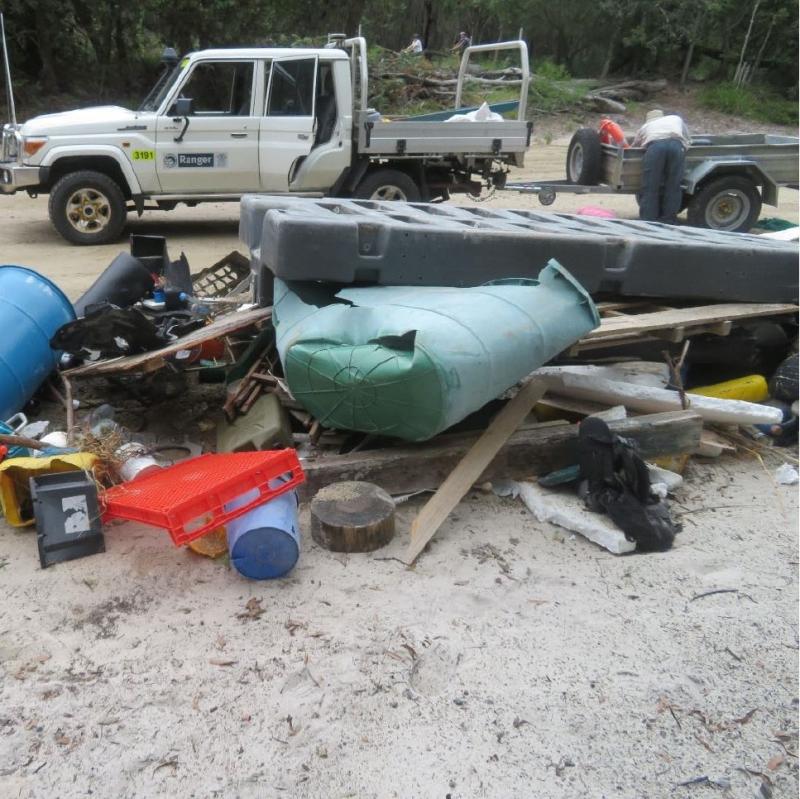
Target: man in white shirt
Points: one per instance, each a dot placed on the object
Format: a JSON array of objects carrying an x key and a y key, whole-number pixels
[
  {"x": 415, "y": 48},
  {"x": 666, "y": 140}
]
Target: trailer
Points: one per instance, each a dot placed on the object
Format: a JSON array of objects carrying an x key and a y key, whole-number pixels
[{"x": 726, "y": 178}]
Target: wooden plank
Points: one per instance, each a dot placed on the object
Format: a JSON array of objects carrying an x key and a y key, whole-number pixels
[
  {"x": 470, "y": 467},
  {"x": 675, "y": 335},
  {"x": 419, "y": 467},
  {"x": 572, "y": 405},
  {"x": 611, "y": 305},
  {"x": 221, "y": 326},
  {"x": 625, "y": 340},
  {"x": 685, "y": 317},
  {"x": 713, "y": 445},
  {"x": 721, "y": 328}
]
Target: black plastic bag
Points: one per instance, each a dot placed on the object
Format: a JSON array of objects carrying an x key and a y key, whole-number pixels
[
  {"x": 108, "y": 331},
  {"x": 615, "y": 481}
]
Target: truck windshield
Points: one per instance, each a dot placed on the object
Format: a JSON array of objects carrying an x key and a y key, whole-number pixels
[{"x": 162, "y": 87}]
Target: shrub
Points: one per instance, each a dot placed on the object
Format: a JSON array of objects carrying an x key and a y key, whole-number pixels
[{"x": 753, "y": 102}]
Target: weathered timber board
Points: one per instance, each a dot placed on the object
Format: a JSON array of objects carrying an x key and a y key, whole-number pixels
[
  {"x": 697, "y": 316},
  {"x": 532, "y": 451}
]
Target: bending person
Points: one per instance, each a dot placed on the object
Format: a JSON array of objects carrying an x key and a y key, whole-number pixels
[{"x": 666, "y": 140}]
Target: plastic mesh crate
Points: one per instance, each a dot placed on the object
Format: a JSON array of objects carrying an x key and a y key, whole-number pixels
[
  {"x": 189, "y": 498},
  {"x": 223, "y": 277}
]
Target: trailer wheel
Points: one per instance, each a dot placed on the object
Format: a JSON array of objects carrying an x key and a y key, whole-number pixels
[
  {"x": 387, "y": 184},
  {"x": 727, "y": 203},
  {"x": 547, "y": 196},
  {"x": 87, "y": 207},
  {"x": 585, "y": 157}
]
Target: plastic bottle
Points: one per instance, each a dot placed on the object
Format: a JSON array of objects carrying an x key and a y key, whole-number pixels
[
  {"x": 101, "y": 421},
  {"x": 195, "y": 306}
]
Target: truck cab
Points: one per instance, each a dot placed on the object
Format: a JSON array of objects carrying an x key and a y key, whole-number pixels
[{"x": 225, "y": 122}]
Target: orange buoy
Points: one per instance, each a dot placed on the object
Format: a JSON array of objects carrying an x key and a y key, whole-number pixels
[{"x": 611, "y": 133}]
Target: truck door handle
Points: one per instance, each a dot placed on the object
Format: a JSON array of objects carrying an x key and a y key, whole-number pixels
[
  {"x": 238, "y": 135},
  {"x": 303, "y": 136}
]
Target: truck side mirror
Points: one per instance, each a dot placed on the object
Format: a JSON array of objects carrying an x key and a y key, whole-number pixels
[{"x": 184, "y": 107}]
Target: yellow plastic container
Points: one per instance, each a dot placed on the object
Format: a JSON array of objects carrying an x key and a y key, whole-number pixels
[
  {"x": 212, "y": 545},
  {"x": 15, "y": 474},
  {"x": 752, "y": 388}
]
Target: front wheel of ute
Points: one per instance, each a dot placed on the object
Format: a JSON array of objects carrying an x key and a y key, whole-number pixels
[{"x": 87, "y": 208}]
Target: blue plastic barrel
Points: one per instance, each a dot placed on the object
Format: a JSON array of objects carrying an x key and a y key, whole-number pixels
[
  {"x": 265, "y": 542},
  {"x": 32, "y": 308}
]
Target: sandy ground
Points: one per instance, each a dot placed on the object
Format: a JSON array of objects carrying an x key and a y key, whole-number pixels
[{"x": 513, "y": 660}]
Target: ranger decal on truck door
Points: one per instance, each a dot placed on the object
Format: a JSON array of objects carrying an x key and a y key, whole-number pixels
[{"x": 195, "y": 160}]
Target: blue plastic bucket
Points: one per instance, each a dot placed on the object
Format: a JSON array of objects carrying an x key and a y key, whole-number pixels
[
  {"x": 31, "y": 310},
  {"x": 265, "y": 542}
]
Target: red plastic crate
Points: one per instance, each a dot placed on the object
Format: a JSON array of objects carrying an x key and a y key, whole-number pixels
[{"x": 189, "y": 498}]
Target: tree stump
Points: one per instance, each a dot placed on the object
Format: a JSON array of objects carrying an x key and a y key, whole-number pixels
[{"x": 352, "y": 517}]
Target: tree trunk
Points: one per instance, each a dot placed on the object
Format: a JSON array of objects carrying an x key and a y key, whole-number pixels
[
  {"x": 428, "y": 23},
  {"x": 562, "y": 49},
  {"x": 687, "y": 62},
  {"x": 603, "y": 105},
  {"x": 612, "y": 46},
  {"x": 499, "y": 39},
  {"x": 747, "y": 35},
  {"x": 355, "y": 10},
  {"x": 761, "y": 49},
  {"x": 352, "y": 517}
]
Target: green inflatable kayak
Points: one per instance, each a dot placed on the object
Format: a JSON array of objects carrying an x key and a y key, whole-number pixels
[{"x": 412, "y": 361}]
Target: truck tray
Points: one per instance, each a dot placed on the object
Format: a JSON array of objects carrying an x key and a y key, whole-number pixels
[{"x": 407, "y": 244}]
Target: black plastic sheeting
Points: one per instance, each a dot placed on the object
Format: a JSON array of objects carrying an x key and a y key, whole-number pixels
[
  {"x": 406, "y": 244},
  {"x": 130, "y": 277}
]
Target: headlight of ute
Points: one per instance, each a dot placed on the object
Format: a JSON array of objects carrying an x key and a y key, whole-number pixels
[
  {"x": 10, "y": 143},
  {"x": 32, "y": 144}
]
